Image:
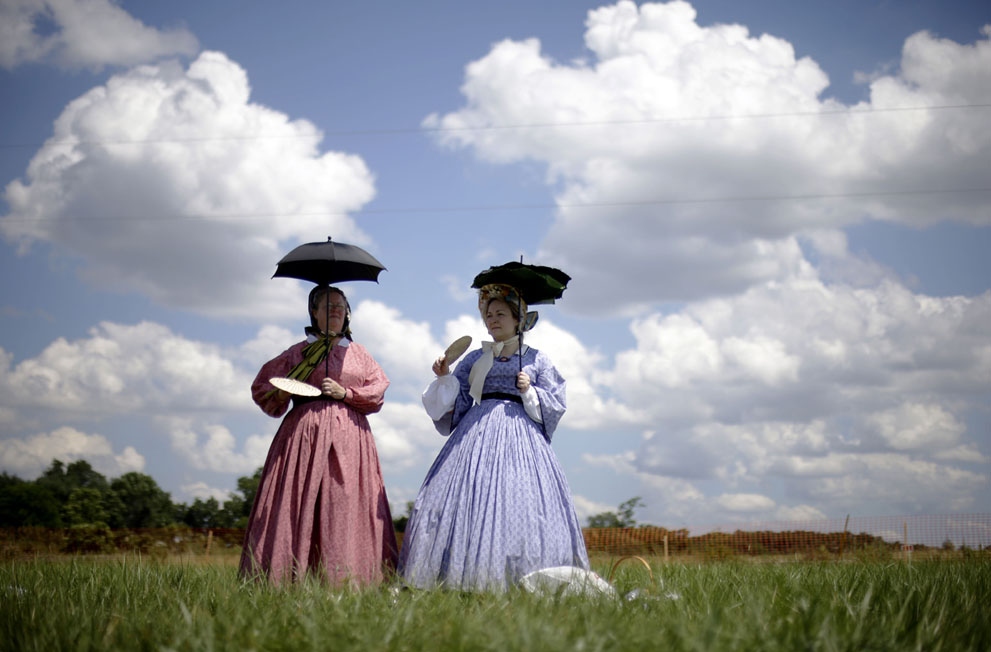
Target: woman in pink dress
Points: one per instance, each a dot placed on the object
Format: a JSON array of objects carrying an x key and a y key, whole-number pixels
[{"x": 321, "y": 504}]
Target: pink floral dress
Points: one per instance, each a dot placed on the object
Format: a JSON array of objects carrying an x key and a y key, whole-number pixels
[{"x": 321, "y": 504}]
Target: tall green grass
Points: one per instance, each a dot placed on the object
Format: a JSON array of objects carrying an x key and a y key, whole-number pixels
[{"x": 130, "y": 603}]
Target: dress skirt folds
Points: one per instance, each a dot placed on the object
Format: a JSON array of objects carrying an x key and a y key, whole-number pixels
[
  {"x": 495, "y": 505},
  {"x": 321, "y": 504}
]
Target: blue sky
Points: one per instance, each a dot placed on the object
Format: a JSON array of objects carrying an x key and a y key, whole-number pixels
[{"x": 776, "y": 216}]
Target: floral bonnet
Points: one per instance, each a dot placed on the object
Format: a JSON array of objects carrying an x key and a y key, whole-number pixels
[{"x": 509, "y": 294}]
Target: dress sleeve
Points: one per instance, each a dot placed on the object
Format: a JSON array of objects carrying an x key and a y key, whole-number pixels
[
  {"x": 550, "y": 386},
  {"x": 368, "y": 395},
  {"x": 531, "y": 403},
  {"x": 463, "y": 401},
  {"x": 262, "y": 390},
  {"x": 439, "y": 396},
  {"x": 446, "y": 399}
]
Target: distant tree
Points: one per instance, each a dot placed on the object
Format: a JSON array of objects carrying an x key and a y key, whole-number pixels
[
  {"x": 235, "y": 511},
  {"x": 228, "y": 518},
  {"x": 77, "y": 494},
  {"x": 7, "y": 480},
  {"x": 248, "y": 486},
  {"x": 206, "y": 514},
  {"x": 85, "y": 506},
  {"x": 27, "y": 503},
  {"x": 237, "y": 508},
  {"x": 623, "y": 517},
  {"x": 604, "y": 519},
  {"x": 627, "y": 509},
  {"x": 81, "y": 475},
  {"x": 143, "y": 502},
  {"x": 62, "y": 480},
  {"x": 399, "y": 523},
  {"x": 114, "y": 506},
  {"x": 53, "y": 479}
]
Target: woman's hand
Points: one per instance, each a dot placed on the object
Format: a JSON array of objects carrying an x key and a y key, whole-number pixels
[
  {"x": 523, "y": 382},
  {"x": 333, "y": 389},
  {"x": 441, "y": 367}
]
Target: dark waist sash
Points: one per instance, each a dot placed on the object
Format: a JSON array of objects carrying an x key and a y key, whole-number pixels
[
  {"x": 503, "y": 396},
  {"x": 302, "y": 400}
]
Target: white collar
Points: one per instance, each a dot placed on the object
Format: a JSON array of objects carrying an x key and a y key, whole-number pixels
[
  {"x": 311, "y": 338},
  {"x": 483, "y": 364}
]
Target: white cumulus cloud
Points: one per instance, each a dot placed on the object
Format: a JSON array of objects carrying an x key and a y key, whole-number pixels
[
  {"x": 404, "y": 436},
  {"x": 29, "y": 456},
  {"x": 123, "y": 368},
  {"x": 745, "y": 502},
  {"x": 213, "y": 447},
  {"x": 687, "y": 157},
  {"x": 585, "y": 507},
  {"x": 874, "y": 397},
  {"x": 84, "y": 34},
  {"x": 406, "y": 349},
  {"x": 913, "y": 426},
  {"x": 132, "y": 163}
]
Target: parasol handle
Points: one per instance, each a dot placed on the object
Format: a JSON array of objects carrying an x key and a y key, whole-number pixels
[
  {"x": 326, "y": 333},
  {"x": 522, "y": 320},
  {"x": 328, "y": 336}
]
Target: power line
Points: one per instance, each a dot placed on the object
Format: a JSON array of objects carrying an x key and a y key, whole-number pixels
[
  {"x": 703, "y": 118},
  {"x": 519, "y": 207},
  {"x": 535, "y": 125}
]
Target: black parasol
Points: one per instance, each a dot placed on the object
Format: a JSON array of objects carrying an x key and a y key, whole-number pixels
[
  {"x": 535, "y": 284},
  {"x": 329, "y": 262}
]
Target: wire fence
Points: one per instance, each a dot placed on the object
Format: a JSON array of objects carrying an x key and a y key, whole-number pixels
[{"x": 937, "y": 535}]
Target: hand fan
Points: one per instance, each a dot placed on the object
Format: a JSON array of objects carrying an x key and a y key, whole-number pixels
[
  {"x": 457, "y": 349},
  {"x": 296, "y": 387}
]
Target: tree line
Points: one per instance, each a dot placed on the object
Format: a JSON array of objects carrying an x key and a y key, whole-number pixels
[{"x": 76, "y": 495}]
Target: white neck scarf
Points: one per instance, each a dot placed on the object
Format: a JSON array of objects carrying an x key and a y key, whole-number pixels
[
  {"x": 343, "y": 342},
  {"x": 482, "y": 366}
]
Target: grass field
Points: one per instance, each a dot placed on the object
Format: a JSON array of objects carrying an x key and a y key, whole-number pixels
[{"x": 86, "y": 603}]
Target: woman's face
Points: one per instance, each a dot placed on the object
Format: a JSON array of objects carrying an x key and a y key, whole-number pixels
[
  {"x": 499, "y": 320},
  {"x": 338, "y": 311}
]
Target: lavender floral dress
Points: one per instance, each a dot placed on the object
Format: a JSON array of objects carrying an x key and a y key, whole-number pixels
[{"x": 495, "y": 505}]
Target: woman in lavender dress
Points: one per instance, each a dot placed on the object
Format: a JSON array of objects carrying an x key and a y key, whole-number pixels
[{"x": 495, "y": 505}]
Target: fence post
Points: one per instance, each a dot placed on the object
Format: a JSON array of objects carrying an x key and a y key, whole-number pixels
[
  {"x": 209, "y": 540},
  {"x": 665, "y": 547}
]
